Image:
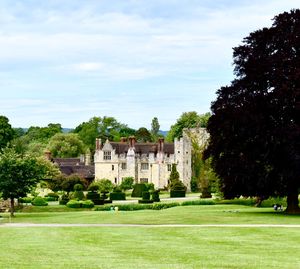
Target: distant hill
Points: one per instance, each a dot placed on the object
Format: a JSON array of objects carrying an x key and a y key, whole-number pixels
[
  {"x": 164, "y": 133},
  {"x": 67, "y": 130}
]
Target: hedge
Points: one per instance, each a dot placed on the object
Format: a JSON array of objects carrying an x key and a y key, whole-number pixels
[
  {"x": 177, "y": 193},
  {"x": 117, "y": 196},
  {"x": 138, "y": 190},
  {"x": 25, "y": 200},
  {"x": 80, "y": 204},
  {"x": 39, "y": 201}
]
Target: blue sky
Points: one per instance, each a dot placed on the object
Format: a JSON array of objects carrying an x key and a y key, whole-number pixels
[{"x": 67, "y": 61}]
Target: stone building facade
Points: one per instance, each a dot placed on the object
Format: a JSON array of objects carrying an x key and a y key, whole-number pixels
[{"x": 145, "y": 162}]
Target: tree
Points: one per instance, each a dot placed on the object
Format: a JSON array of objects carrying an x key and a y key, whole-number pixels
[
  {"x": 155, "y": 128},
  {"x": 143, "y": 135},
  {"x": 255, "y": 125},
  {"x": 19, "y": 174},
  {"x": 187, "y": 120},
  {"x": 66, "y": 145},
  {"x": 174, "y": 175},
  {"x": 88, "y": 132},
  {"x": 35, "y": 140},
  {"x": 127, "y": 183},
  {"x": 103, "y": 128},
  {"x": 6, "y": 132},
  {"x": 105, "y": 185}
]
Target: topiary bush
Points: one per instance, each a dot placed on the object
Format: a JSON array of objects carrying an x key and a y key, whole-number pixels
[
  {"x": 87, "y": 204},
  {"x": 25, "y": 200},
  {"x": 127, "y": 183},
  {"x": 93, "y": 188},
  {"x": 138, "y": 190},
  {"x": 53, "y": 196},
  {"x": 117, "y": 196},
  {"x": 155, "y": 196},
  {"x": 145, "y": 198},
  {"x": 78, "y": 193},
  {"x": 177, "y": 189},
  {"x": 95, "y": 197},
  {"x": 146, "y": 195},
  {"x": 64, "y": 199},
  {"x": 74, "y": 204},
  {"x": 39, "y": 201}
]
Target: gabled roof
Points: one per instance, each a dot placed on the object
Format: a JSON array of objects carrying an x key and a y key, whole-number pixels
[
  {"x": 70, "y": 166},
  {"x": 142, "y": 148}
]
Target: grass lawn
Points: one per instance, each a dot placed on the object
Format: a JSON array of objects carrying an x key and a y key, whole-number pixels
[
  {"x": 148, "y": 247},
  {"x": 204, "y": 214}
]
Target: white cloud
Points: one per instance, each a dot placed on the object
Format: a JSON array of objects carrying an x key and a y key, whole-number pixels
[{"x": 165, "y": 56}]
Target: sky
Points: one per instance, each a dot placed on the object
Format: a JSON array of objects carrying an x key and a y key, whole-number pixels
[{"x": 68, "y": 61}]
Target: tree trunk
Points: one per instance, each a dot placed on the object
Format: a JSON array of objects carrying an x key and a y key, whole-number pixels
[
  {"x": 293, "y": 202},
  {"x": 12, "y": 207}
]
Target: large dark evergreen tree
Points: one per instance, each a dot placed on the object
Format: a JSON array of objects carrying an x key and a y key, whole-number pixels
[
  {"x": 255, "y": 125},
  {"x": 6, "y": 132}
]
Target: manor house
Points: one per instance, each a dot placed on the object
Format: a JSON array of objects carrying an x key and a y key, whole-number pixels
[{"x": 145, "y": 162}]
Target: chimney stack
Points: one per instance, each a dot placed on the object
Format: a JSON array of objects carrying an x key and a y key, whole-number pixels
[
  {"x": 132, "y": 141},
  {"x": 123, "y": 139},
  {"x": 98, "y": 143},
  {"x": 161, "y": 141}
]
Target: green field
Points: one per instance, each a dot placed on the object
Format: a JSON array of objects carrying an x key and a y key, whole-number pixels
[{"x": 153, "y": 247}]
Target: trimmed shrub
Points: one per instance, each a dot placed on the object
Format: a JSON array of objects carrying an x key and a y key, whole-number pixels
[
  {"x": 39, "y": 201},
  {"x": 177, "y": 189},
  {"x": 198, "y": 202},
  {"x": 78, "y": 193},
  {"x": 138, "y": 190},
  {"x": 134, "y": 207},
  {"x": 64, "y": 199},
  {"x": 95, "y": 197},
  {"x": 78, "y": 187},
  {"x": 127, "y": 183},
  {"x": 104, "y": 195},
  {"x": 142, "y": 201},
  {"x": 103, "y": 185},
  {"x": 74, "y": 204},
  {"x": 146, "y": 195},
  {"x": 164, "y": 205},
  {"x": 238, "y": 201},
  {"x": 25, "y": 200},
  {"x": 145, "y": 198},
  {"x": 53, "y": 195},
  {"x": 155, "y": 196},
  {"x": 117, "y": 196},
  {"x": 93, "y": 188},
  {"x": 150, "y": 186},
  {"x": 91, "y": 195},
  {"x": 87, "y": 204},
  {"x": 175, "y": 193}
]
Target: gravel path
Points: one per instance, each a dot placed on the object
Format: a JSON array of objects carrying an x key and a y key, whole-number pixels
[{"x": 23, "y": 225}]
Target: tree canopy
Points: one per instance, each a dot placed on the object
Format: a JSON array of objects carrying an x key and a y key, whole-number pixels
[
  {"x": 155, "y": 128},
  {"x": 66, "y": 145},
  {"x": 18, "y": 174},
  {"x": 6, "y": 132},
  {"x": 143, "y": 135},
  {"x": 255, "y": 123},
  {"x": 187, "y": 120},
  {"x": 103, "y": 128}
]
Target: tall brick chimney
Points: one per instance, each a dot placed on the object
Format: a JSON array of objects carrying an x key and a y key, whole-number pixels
[
  {"x": 98, "y": 143},
  {"x": 123, "y": 139},
  {"x": 161, "y": 142},
  {"x": 132, "y": 141}
]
